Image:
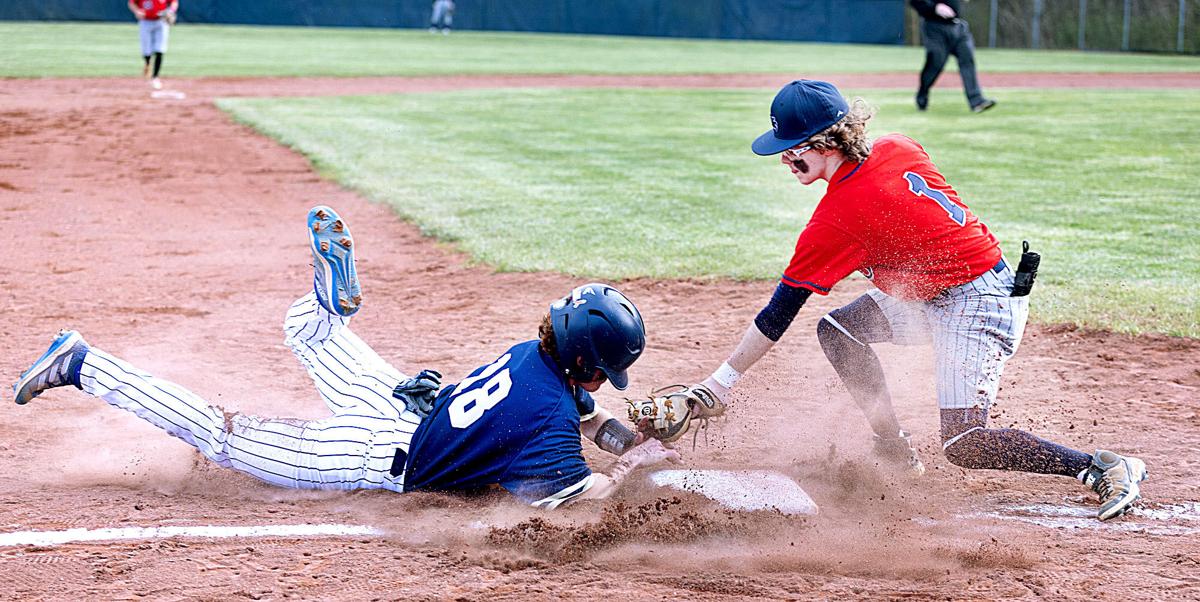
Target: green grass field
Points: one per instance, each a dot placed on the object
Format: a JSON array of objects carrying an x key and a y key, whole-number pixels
[
  {"x": 92, "y": 50},
  {"x": 661, "y": 183}
]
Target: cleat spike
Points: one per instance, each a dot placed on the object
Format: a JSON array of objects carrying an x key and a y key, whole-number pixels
[{"x": 335, "y": 279}]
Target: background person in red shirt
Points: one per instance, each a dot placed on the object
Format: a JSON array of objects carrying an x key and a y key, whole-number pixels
[
  {"x": 155, "y": 18},
  {"x": 940, "y": 278}
]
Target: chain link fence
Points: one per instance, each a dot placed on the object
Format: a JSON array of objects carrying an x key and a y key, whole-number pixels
[{"x": 1131, "y": 25}]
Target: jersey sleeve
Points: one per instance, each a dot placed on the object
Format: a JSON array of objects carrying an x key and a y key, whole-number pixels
[
  {"x": 550, "y": 470},
  {"x": 585, "y": 404},
  {"x": 824, "y": 255}
]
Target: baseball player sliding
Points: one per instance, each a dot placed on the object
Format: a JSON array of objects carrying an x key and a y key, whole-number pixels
[
  {"x": 940, "y": 278},
  {"x": 515, "y": 422}
]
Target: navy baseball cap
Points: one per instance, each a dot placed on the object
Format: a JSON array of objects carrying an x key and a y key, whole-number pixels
[{"x": 800, "y": 110}]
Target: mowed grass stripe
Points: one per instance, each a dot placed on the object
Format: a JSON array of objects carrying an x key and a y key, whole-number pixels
[
  {"x": 661, "y": 183},
  {"x": 37, "y": 49}
]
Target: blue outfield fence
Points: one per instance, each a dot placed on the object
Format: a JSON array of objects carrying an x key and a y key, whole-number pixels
[{"x": 858, "y": 21}]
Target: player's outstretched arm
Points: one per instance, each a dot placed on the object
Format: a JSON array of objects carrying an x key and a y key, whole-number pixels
[
  {"x": 668, "y": 413},
  {"x": 608, "y": 433},
  {"x": 753, "y": 346},
  {"x": 768, "y": 326},
  {"x": 588, "y": 428},
  {"x": 646, "y": 454}
]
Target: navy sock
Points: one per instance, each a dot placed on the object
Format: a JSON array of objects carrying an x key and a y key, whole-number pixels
[
  {"x": 1011, "y": 449},
  {"x": 75, "y": 366},
  {"x": 969, "y": 444}
]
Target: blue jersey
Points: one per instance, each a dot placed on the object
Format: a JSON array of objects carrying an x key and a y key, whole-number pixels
[{"x": 514, "y": 422}]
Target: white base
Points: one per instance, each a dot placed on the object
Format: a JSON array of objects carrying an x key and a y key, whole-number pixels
[
  {"x": 742, "y": 489},
  {"x": 168, "y": 94}
]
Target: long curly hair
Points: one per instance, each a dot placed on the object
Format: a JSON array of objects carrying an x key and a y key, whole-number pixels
[
  {"x": 549, "y": 343},
  {"x": 848, "y": 136}
]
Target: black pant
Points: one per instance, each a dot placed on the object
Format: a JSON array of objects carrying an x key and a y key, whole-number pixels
[{"x": 941, "y": 41}]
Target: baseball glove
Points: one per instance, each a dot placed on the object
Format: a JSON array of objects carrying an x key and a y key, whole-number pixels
[
  {"x": 668, "y": 412},
  {"x": 170, "y": 17}
]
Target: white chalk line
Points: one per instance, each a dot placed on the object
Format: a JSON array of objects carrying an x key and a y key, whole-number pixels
[
  {"x": 1147, "y": 518},
  {"x": 1152, "y": 518},
  {"x": 53, "y": 538}
]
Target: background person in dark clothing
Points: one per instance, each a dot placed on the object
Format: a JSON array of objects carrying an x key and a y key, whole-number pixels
[{"x": 945, "y": 33}]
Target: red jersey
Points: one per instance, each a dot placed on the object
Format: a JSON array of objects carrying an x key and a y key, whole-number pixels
[
  {"x": 894, "y": 218},
  {"x": 153, "y": 8}
]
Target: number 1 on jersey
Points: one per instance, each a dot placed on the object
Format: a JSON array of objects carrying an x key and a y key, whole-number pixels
[{"x": 918, "y": 186}]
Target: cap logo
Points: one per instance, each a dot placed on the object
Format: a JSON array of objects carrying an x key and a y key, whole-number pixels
[
  {"x": 840, "y": 113},
  {"x": 774, "y": 124}
]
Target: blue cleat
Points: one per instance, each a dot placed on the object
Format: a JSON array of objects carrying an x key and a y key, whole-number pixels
[
  {"x": 335, "y": 277},
  {"x": 57, "y": 367}
]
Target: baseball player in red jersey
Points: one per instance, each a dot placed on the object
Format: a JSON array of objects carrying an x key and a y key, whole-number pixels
[
  {"x": 940, "y": 278},
  {"x": 155, "y": 18}
]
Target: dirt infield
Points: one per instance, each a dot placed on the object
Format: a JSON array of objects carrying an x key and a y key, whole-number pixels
[
  {"x": 107, "y": 89},
  {"x": 170, "y": 236}
]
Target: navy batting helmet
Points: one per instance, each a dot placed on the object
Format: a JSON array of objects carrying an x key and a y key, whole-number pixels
[{"x": 598, "y": 323}]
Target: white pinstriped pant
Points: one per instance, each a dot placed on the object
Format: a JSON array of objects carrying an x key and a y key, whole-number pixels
[
  {"x": 974, "y": 329},
  {"x": 353, "y": 449},
  {"x": 153, "y": 35}
]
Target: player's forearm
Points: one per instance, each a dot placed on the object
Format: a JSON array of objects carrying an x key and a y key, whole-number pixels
[
  {"x": 647, "y": 453},
  {"x": 768, "y": 326},
  {"x": 590, "y": 427},
  {"x": 615, "y": 438},
  {"x": 608, "y": 432},
  {"x": 753, "y": 346},
  {"x": 604, "y": 485}
]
